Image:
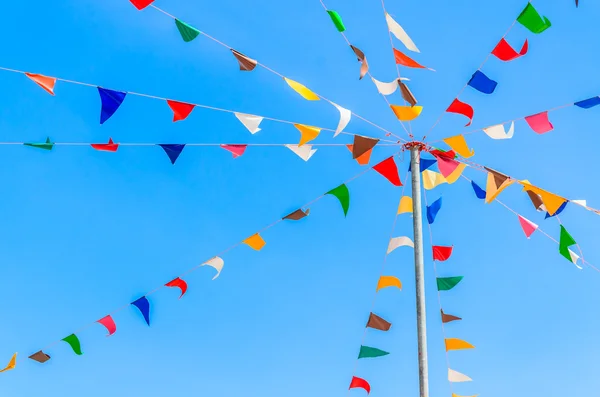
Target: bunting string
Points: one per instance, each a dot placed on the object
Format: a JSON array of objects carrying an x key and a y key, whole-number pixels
[{"x": 388, "y": 133}]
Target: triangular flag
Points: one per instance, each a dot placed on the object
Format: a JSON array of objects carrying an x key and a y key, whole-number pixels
[
  {"x": 498, "y": 132},
  {"x": 172, "y": 150},
  {"x": 588, "y": 103},
  {"x": 388, "y": 281},
  {"x": 496, "y": 183},
  {"x": 456, "y": 395},
  {"x": 558, "y": 211},
  {"x": 479, "y": 192},
  {"x": 364, "y": 65},
  {"x": 362, "y": 145},
  {"x": 459, "y": 145},
  {"x": 40, "y": 357},
  {"x": 447, "y": 154},
  {"x": 527, "y": 226},
  {"x": 345, "y": 116},
  {"x": 455, "y": 376},
  {"x": 447, "y": 318},
  {"x": 406, "y": 205},
  {"x": 447, "y": 166},
  {"x": 143, "y": 306},
  {"x": 307, "y": 133},
  {"x": 109, "y": 324},
  {"x": 178, "y": 283},
  {"x": 397, "y": 242},
  {"x": 305, "y": 152},
  {"x": 47, "y": 83},
  {"x": 404, "y": 60},
  {"x": 505, "y": 52},
  {"x": 250, "y": 121},
  {"x": 246, "y": 64},
  {"x": 359, "y": 383},
  {"x": 111, "y": 100},
  {"x": 432, "y": 179},
  {"x": 48, "y": 145},
  {"x": 377, "y": 322},
  {"x": 297, "y": 215},
  {"x": 106, "y": 147},
  {"x": 217, "y": 263},
  {"x": 551, "y": 201},
  {"x": 236, "y": 150},
  {"x": 343, "y": 195},
  {"x": 73, "y": 341},
  {"x": 337, "y": 20},
  {"x": 441, "y": 253},
  {"x": 453, "y": 177},
  {"x": 13, "y": 363},
  {"x": 387, "y": 88},
  {"x": 540, "y": 123},
  {"x": 180, "y": 109},
  {"x": 364, "y": 158},
  {"x": 407, "y": 94},
  {"x": 188, "y": 33},
  {"x": 457, "y": 344},
  {"x": 255, "y": 242},
  {"x": 574, "y": 259},
  {"x": 566, "y": 240},
  {"x": 447, "y": 283},
  {"x": 433, "y": 210},
  {"x": 532, "y": 20},
  {"x": 461, "y": 108},
  {"x": 141, "y": 4},
  {"x": 406, "y": 113},
  {"x": 389, "y": 170},
  {"x": 302, "y": 90},
  {"x": 482, "y": 83},
  {"x": 400, "y": 34},
  {"x": 371, "y": 352}
]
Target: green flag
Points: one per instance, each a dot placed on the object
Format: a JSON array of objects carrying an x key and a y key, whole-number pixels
[
  {"x": 447, "y": 283},
  {"x": 48, "y": 145},
  {"x": 343, "y": 194},
  {"x": 371, "y": 352},
  {"x": 73, "y": 341},
  {"x": 532, "y": 20},
  {"x": 188, "y": 33},
  {"x": 566, "y": 240},
  {"x": 337, "y": 20}
]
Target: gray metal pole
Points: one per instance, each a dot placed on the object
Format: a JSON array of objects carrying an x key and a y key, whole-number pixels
[{"x": 415, "y": 154}]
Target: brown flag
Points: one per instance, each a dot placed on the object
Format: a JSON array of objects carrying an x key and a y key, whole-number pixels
[
  {"x": 447, "y": 318},
  {"x": 364, "y": 67},
  {"x": 362, "y": 145},
  {"x": 246, "y": 64},
  {"x": 407, "y": 94},
  {"x": 297, "y": 215},
  {"x": 40, "y": 357},
  {"x": 536, "y": 200},
  {"x": 378, "y": 323}
]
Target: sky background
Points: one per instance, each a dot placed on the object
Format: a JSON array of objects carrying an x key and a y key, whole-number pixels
[{"x": 86, "y": 232}]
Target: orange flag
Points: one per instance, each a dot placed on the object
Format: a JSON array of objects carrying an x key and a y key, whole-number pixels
[
  {"x": 255, "y": 242},
  {"x": 364, "y": 158},
  {"x": 47, "y": 83},
  {"x": 11, "y": 364},
  {"x": 307, "y": 133},
  {"x": 388, "y": 281},
  {"x": 457, "y": 344},
  {"x": 405, "y": 60}
]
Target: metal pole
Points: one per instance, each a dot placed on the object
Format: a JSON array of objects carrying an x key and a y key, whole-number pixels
[{"x": 415, "y": 154}]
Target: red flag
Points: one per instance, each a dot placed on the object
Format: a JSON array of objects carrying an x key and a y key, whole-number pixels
[
  {"x": 505, "y": 52},
  {"x": 360, "y": 383},
  {"x": 180, "y": 109},
  {"x": 109, "y": 323},
  {"x": 389, "y": 170},
  {"x": 179, "y": 283},
  {"x": 461, "y": 108},
  {"x": 441, "y": 253},
  {"x": 141, "y": 4},
  {"x": 447, "y": 155},
  {"x": 236, "y": 150},
  {"x": 404, "y": 60},
  {"x": 106, "y": 147}
]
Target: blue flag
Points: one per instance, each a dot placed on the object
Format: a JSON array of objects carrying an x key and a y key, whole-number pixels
[
  {"x": 144, "y": 307},
  {"x": 588, "y": 103},
  {"x": 424, "y": 164},
  {"x": 479, "y": 192},
  {"x": 111, "y": 100},
  {"x": 482, "y": 83},
  {"x": 172, "y": 150},
  {"x": 433, "y": 209},
  {"x": 558, "y": 211}
]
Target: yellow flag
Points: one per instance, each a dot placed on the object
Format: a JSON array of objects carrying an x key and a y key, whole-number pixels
[
  {"x": 456, "y": 395},
  {"x": 457, "y": 344},
  {"x": 453, "y": 177},
  {"x": 255, "y": 242},
  {"x": 496, "y": 183},
  {"x": 388, "y": 281},
  {"x": 551, "y": 201},
  {"x": 407, "y": 113},
  {"x": 405, "y": 206},
  {"x": 11, "y": 364},
  {"x": 459, "y": 145},
  {"x": 302, "y": 90},
  {"x": 432, "y": 179},
  {"x": 307, "y": 133}
]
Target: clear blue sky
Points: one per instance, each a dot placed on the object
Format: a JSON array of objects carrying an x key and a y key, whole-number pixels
[{"x": 86, "y": 232}]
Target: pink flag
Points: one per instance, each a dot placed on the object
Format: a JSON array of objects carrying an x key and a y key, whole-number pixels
[
  {"x": 109, "y": 323},
  {"x": 446, "y": 166},
  {"x": 236, "y": 150},
  {"x": 540, "y": 123},
  {"x": 528, "y": 226}
]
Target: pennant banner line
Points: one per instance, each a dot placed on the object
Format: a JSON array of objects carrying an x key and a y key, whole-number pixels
[
  {"x": 194, "y": 144},
  {"x": 255, "y": 242},
  {"x": 188, "y": 103},
  {"x": 336, "y": 17},
  {"x": 275, "y": 72}
]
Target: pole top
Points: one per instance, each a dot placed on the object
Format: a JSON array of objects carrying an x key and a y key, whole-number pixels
[{"x": 420, "y": 146}]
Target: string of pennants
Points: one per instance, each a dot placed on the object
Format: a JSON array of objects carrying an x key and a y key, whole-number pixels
[{"x": 387, "y": 168}]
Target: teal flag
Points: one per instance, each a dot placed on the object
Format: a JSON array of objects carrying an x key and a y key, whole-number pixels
[
  {"x": 532, "y": 20},
  {"x": 73, "y": 341},
  {"x": 188, "y": 33},
  {"x": 371, "y": 352},
  {"x": 447, "y": 283},
  {"x": 48, "y": 145},
  {"x": 343, "y": 194}
]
